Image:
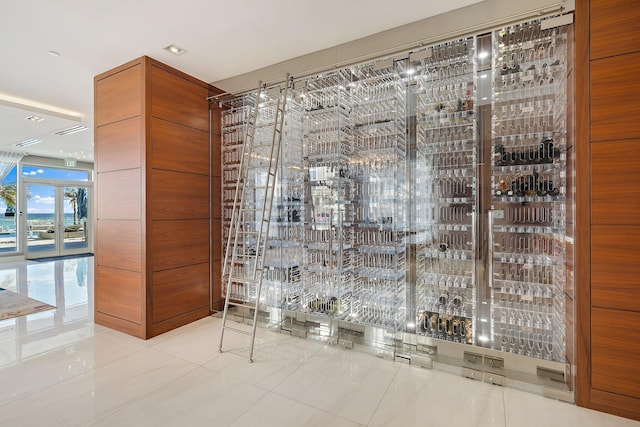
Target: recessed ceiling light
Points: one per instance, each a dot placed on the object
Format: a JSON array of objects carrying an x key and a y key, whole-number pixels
[
  {"x": 72, "y": 129},
  {"x": 34, "y": 118},
  {"x": 28, "y": 142},
  {"x": 53, "y": 53},
  {"x": 172, "y": 48}
]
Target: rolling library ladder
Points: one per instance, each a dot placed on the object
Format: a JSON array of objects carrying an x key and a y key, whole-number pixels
[{"x": 251, "y": 216}]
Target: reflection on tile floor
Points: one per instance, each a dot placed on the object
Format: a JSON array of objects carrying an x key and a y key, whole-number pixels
[{"x": 59, "y": 369}]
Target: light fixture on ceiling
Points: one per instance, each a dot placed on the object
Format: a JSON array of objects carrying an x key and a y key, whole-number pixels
[
  {"x": 176, "y": 50},
  {"x": 38, "y": 108},
  {"x": 28, "y": 142},
  {"x": 34, "y": 118},
  {"x": 72, "y": 129}
]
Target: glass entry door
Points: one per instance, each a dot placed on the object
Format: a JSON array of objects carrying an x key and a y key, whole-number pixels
[{"x": 56, "y": 220}]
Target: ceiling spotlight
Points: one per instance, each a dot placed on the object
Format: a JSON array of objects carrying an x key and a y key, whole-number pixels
[
  {"x": 172, "y": 48},
  {"x": 34, "y": 119}
]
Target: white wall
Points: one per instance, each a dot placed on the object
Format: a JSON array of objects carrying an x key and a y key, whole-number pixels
[{"x": 468, "y": 20}]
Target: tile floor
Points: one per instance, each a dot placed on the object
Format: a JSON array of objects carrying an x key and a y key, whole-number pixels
[{"x": 59, "y": 369}]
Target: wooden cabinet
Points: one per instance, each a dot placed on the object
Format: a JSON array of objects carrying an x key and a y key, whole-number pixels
[{"x": 153, "y": 198}]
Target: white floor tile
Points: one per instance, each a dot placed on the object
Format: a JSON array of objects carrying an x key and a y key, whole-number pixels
[
  {"x": 528, "y": 410},
  {"x": 272, "y": 363},
  {"x": 278, "y": 411},
  {"x": 199, "y": 398},
  {"x": 30, "y": 375},
  {"x": 444, "y": 400},
  {"x": 343, "y": 382},
  {"x": 99, "y": 392}
]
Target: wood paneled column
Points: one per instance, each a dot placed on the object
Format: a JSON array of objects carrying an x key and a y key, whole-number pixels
[{"x": 153, "y": 198}]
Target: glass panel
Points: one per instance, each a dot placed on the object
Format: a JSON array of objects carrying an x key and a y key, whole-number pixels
[
  {"x": 76, "y": 205},
  {"x": 41, "y": 218},
  {"x": 528, "y": 220},
  {"x": 445, "y": 193},
  {"x": 53, "y": 173},
  {"x": 8, "y": 218}
]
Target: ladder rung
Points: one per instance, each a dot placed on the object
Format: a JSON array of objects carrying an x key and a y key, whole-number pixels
[
  {"x": 240, "y": 331},
  {"x": 241, "y": 304},
  {"x": 245, "y": 280}
]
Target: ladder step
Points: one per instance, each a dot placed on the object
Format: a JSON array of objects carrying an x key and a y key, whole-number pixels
[
  {"x": 240, "y": 331},
  {"x": 245, "y": 280},
  {"x": 242, "y": 304}
]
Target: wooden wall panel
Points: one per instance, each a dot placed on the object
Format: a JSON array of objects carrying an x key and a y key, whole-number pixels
[
  {"x": 177, "y": 195},
  {"x": 615, "y": 267},
  {"x": 120, "y": 195},
  {"x": 119, "y": 96},
  {"x": 615, "y": 27},
  {"x": 615, "y": 98},
  {"x": 617, "y": 404},
  {"x": 179, "y": 291},
  {"x": 119, "y": 293},
  {"x": 179, "y": 148},
  {"x": 615, "y": 189},
  {"x": 179, "y": 243},
  {"x": 615, "y": 363},
  {"x": 582, "y": 218},
  {"x": 119, "y": 145},
  {"x": 119, "y": 244},
  {"x": 178, "y": 99}
]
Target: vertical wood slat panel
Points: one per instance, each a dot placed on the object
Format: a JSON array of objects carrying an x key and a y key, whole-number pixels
[
  {"x": 119, "y": 293},
  {"x": 615, "y": 267},
  {"x": 615, "y": 98},
  {"x": 180, "y": 290},
  {"x": 118, "y": 145},
  {"x": 615, "y": 363},
  {"x": 119, "y": 244},
  {"x": 177, "y": 195},
  {"x": 615, "y": 189},
  {"x": 118, "y": 96},
  {"x": 615, "y": 27},
  {"x": 120, "y": 195},
  {"x": 179, "y": 99},
  {"x": 179, "y": 243},
  {"x": 582, "y": 219},
  {"x": 179, "y": 148}
]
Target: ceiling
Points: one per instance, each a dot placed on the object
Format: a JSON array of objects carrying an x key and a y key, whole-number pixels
[{"x": 221, "y": 39}]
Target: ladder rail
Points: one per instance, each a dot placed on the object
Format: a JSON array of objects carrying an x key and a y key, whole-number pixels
[
  {"x": 238, "y": 218},
  {"x": 238, "y": 197},
  {"x": 273, "y": 168}
]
